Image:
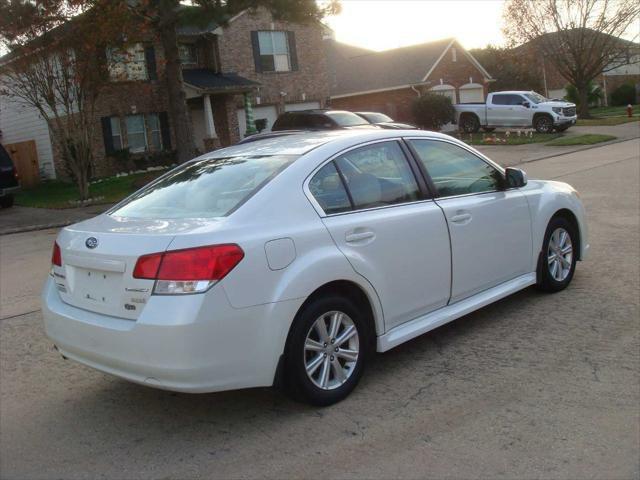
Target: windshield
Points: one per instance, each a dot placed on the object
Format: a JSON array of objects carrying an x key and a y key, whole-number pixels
[
  {"x": 376, "y": 117},
  {"x": 346, "y": 119},
  {"x": 204, "y": 189},
  {"x": 535, "y": 97}
]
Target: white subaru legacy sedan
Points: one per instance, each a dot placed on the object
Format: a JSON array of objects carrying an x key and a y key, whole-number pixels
[{"x": 291, "y": 260}]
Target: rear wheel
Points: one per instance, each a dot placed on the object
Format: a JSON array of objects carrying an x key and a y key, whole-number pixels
[
  {"x": 557, "y": 262},
  {"x": 543, "y": 124},
  {"x": 326, "y": 351},
  {"x": 6, "y": 201},
  {"x": 469, "y": 123}
]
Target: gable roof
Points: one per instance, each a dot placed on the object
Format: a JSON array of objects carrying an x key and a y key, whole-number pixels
[{"x": 358, "y": 70}]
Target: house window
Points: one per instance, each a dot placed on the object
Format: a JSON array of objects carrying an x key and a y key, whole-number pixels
[
  {"x": 136, "y": 133},
  {"x": 116, "y": 134},
  {"x": 155, "y": 134},
  {"x": 274, "y": 52},
  {"x": 127, "y": 63},
  {"x": 188, "y": 53}
]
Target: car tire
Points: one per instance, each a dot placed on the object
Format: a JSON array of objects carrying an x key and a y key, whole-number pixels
[
  {"x": 469, "y": 123},
  {"x": 488, "y": 129},
  {"x": 557, "y": 262},
  {"x": 543, "y": 124},
  {"x": 342, "y": 375},
  {"x": 6, "y": 201}
]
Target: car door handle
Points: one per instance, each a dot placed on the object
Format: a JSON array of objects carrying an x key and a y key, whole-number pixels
[
  {"x": 461, "y": 218},
  {"x": 359, "y": 236}
]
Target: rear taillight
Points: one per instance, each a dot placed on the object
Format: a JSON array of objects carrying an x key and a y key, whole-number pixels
[
  {"x": 191, "y": 270},
  {"x": 56, "y": 256}
]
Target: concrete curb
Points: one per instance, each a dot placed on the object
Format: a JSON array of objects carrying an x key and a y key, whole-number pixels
[
  {"x": 33, "y": 228},
  {"x": 586, "y": 147}
]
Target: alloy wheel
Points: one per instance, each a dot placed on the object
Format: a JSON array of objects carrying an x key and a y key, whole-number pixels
[
  {"x": 560, "y": 254},
  {"x": 331, "y": 350}
]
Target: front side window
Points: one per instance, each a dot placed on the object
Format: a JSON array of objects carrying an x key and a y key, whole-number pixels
[
  {"x": 274, "y": 51},
  {"x": 456, "y": 171},
  {"x": 204, "y": 189},
  {"x": 327, "y": 188},
  {"x": 127, "y": 63},
  {"x": 136, "y": 133},
  {"x": 378, "y": 175}
]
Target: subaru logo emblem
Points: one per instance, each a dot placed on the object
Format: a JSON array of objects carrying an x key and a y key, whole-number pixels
[{"x": 92, "y": 242}]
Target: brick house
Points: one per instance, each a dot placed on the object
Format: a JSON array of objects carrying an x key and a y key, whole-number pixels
[
  {"x": 253, "y": 62},
  {"x": 389, "y": 81}
]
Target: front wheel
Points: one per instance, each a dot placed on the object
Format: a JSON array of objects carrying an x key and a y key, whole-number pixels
[
  {"x": 543, "y": 124},
  {"x": 326, "y": 351},
  {"x": 557, "y": 262}
]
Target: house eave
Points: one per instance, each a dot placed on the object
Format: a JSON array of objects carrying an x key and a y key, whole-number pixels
[{"x": 377, "y": 90}]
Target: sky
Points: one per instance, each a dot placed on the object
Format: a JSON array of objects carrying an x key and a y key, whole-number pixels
[{"x": 385, "y": 24}]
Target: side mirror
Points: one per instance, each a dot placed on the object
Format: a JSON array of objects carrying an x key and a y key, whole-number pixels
[
  {"x": 515, "y": 178},
  {"x": 526, "y": 104}
]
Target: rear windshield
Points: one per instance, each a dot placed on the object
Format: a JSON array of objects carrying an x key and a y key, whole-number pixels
[
  {"x": 377, "y": 117},
  {"x": 204, "y": 189},
  {"x": 346, "y": 119}
]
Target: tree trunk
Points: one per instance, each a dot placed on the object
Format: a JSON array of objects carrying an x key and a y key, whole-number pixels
[
  {"x": 583, "y": 101},
  {"x": 178, "y": 111}
]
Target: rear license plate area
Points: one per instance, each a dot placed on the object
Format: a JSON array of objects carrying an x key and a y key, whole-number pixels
[{"x": 96, "y": 286}]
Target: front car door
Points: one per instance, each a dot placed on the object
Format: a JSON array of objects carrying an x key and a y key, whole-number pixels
[
  {"x": 391, "y": 234},
  {"x": 521, "y": 114},
  {"x": 500, "y": 111},
  {"x": 490, "y": 227}
]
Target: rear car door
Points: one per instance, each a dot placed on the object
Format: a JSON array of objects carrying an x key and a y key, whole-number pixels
[
  {"x": 500, "y": 110},
  {"x": 490, "y": 227},
  {"x": 391, "y": 234}
]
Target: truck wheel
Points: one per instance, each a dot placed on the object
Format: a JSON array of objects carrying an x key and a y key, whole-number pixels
[
  {"x": 543, "y": 124},
  {"x": 469, "y": 123}
]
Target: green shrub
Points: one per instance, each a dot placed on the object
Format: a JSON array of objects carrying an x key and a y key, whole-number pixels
[
  {"x": 595, "y": 94},
  {"x": 431, "y": 111},
  {"x": 624, "y": 95}
]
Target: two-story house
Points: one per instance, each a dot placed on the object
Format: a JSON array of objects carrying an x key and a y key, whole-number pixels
[{"x": 236, "y": 77}]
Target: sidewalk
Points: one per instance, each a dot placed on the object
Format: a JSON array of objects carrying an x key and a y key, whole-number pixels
[{"x": 24, "y": 219}]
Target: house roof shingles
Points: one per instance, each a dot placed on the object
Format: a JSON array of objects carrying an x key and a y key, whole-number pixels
[{"x": 354, "y": 69}]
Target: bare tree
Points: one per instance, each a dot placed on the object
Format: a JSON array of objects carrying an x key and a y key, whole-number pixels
[{"x": 580, "y": 38}]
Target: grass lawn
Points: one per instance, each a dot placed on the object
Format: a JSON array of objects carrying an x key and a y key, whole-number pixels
[
  {"x": 606, "y": 121},
  {"x": 588, "y": 139},
  {"x": 613, "y": 111},
  {"x": 502, "y": 139},
  {"x": 57, "y": 194}
]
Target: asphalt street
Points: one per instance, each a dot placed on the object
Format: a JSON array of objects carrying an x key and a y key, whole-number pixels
[{"x": 534, "y": 386}]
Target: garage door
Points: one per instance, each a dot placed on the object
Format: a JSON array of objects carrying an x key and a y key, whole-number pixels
[
  {"x": 471, "y": 92},
  {"x": 269, "y": 113},
  {"x": 295, "y": 107},
  {"x": 446, "y": 90}
]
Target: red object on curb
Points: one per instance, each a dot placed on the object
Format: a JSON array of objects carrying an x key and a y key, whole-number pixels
[{"x": 629, "y": 111}]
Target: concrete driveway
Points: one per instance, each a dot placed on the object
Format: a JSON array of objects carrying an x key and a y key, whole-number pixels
[{"x": 535, "y": 386}]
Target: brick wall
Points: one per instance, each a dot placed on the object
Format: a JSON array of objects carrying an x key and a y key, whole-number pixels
[
  {"x": 311, "y": 78},
  {"x": 457, "y": 73}
]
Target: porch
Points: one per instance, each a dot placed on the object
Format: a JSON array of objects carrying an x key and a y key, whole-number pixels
[{"x": 213, "y": 100}]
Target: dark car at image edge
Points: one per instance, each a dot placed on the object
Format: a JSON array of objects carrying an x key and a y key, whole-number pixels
[{"x": 8, "y": 179}]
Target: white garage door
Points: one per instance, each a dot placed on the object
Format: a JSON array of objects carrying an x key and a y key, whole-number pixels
[
  {"x": 470, "y": 94},
  {"x": 295, "y": 107},
  {"x": 269, "y": 113},
  {"x": 446, "y": 90}
]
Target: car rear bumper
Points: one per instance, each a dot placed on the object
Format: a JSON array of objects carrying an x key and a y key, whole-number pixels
[
  {"x": 9, "y": 191},
  {"x": 174, "y": 344}
]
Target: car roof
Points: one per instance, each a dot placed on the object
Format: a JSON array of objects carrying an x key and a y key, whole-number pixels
[{"x": 299, "y": 144}]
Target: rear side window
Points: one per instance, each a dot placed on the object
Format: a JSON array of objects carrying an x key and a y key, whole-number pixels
[
  {"x": 5, "y": 159},
  {"x": 456, "y": 171},
  {"x": 204, "y": 189},
  {"x": 327, "y": 188},
  {"x": 378, "y": 175}
]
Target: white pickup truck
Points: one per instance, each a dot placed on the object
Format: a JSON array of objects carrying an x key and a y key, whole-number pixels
[{"x": 516, "y": 109}]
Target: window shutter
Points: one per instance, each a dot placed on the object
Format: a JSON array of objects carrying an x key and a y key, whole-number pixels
[
  {"x": 293, "y": 56},
  {"x": 107, "y": 135},
  {"x": 150, "y": 60},
  {"x": 164, "y": 131},
  {"x": 255, "y": 43}
]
